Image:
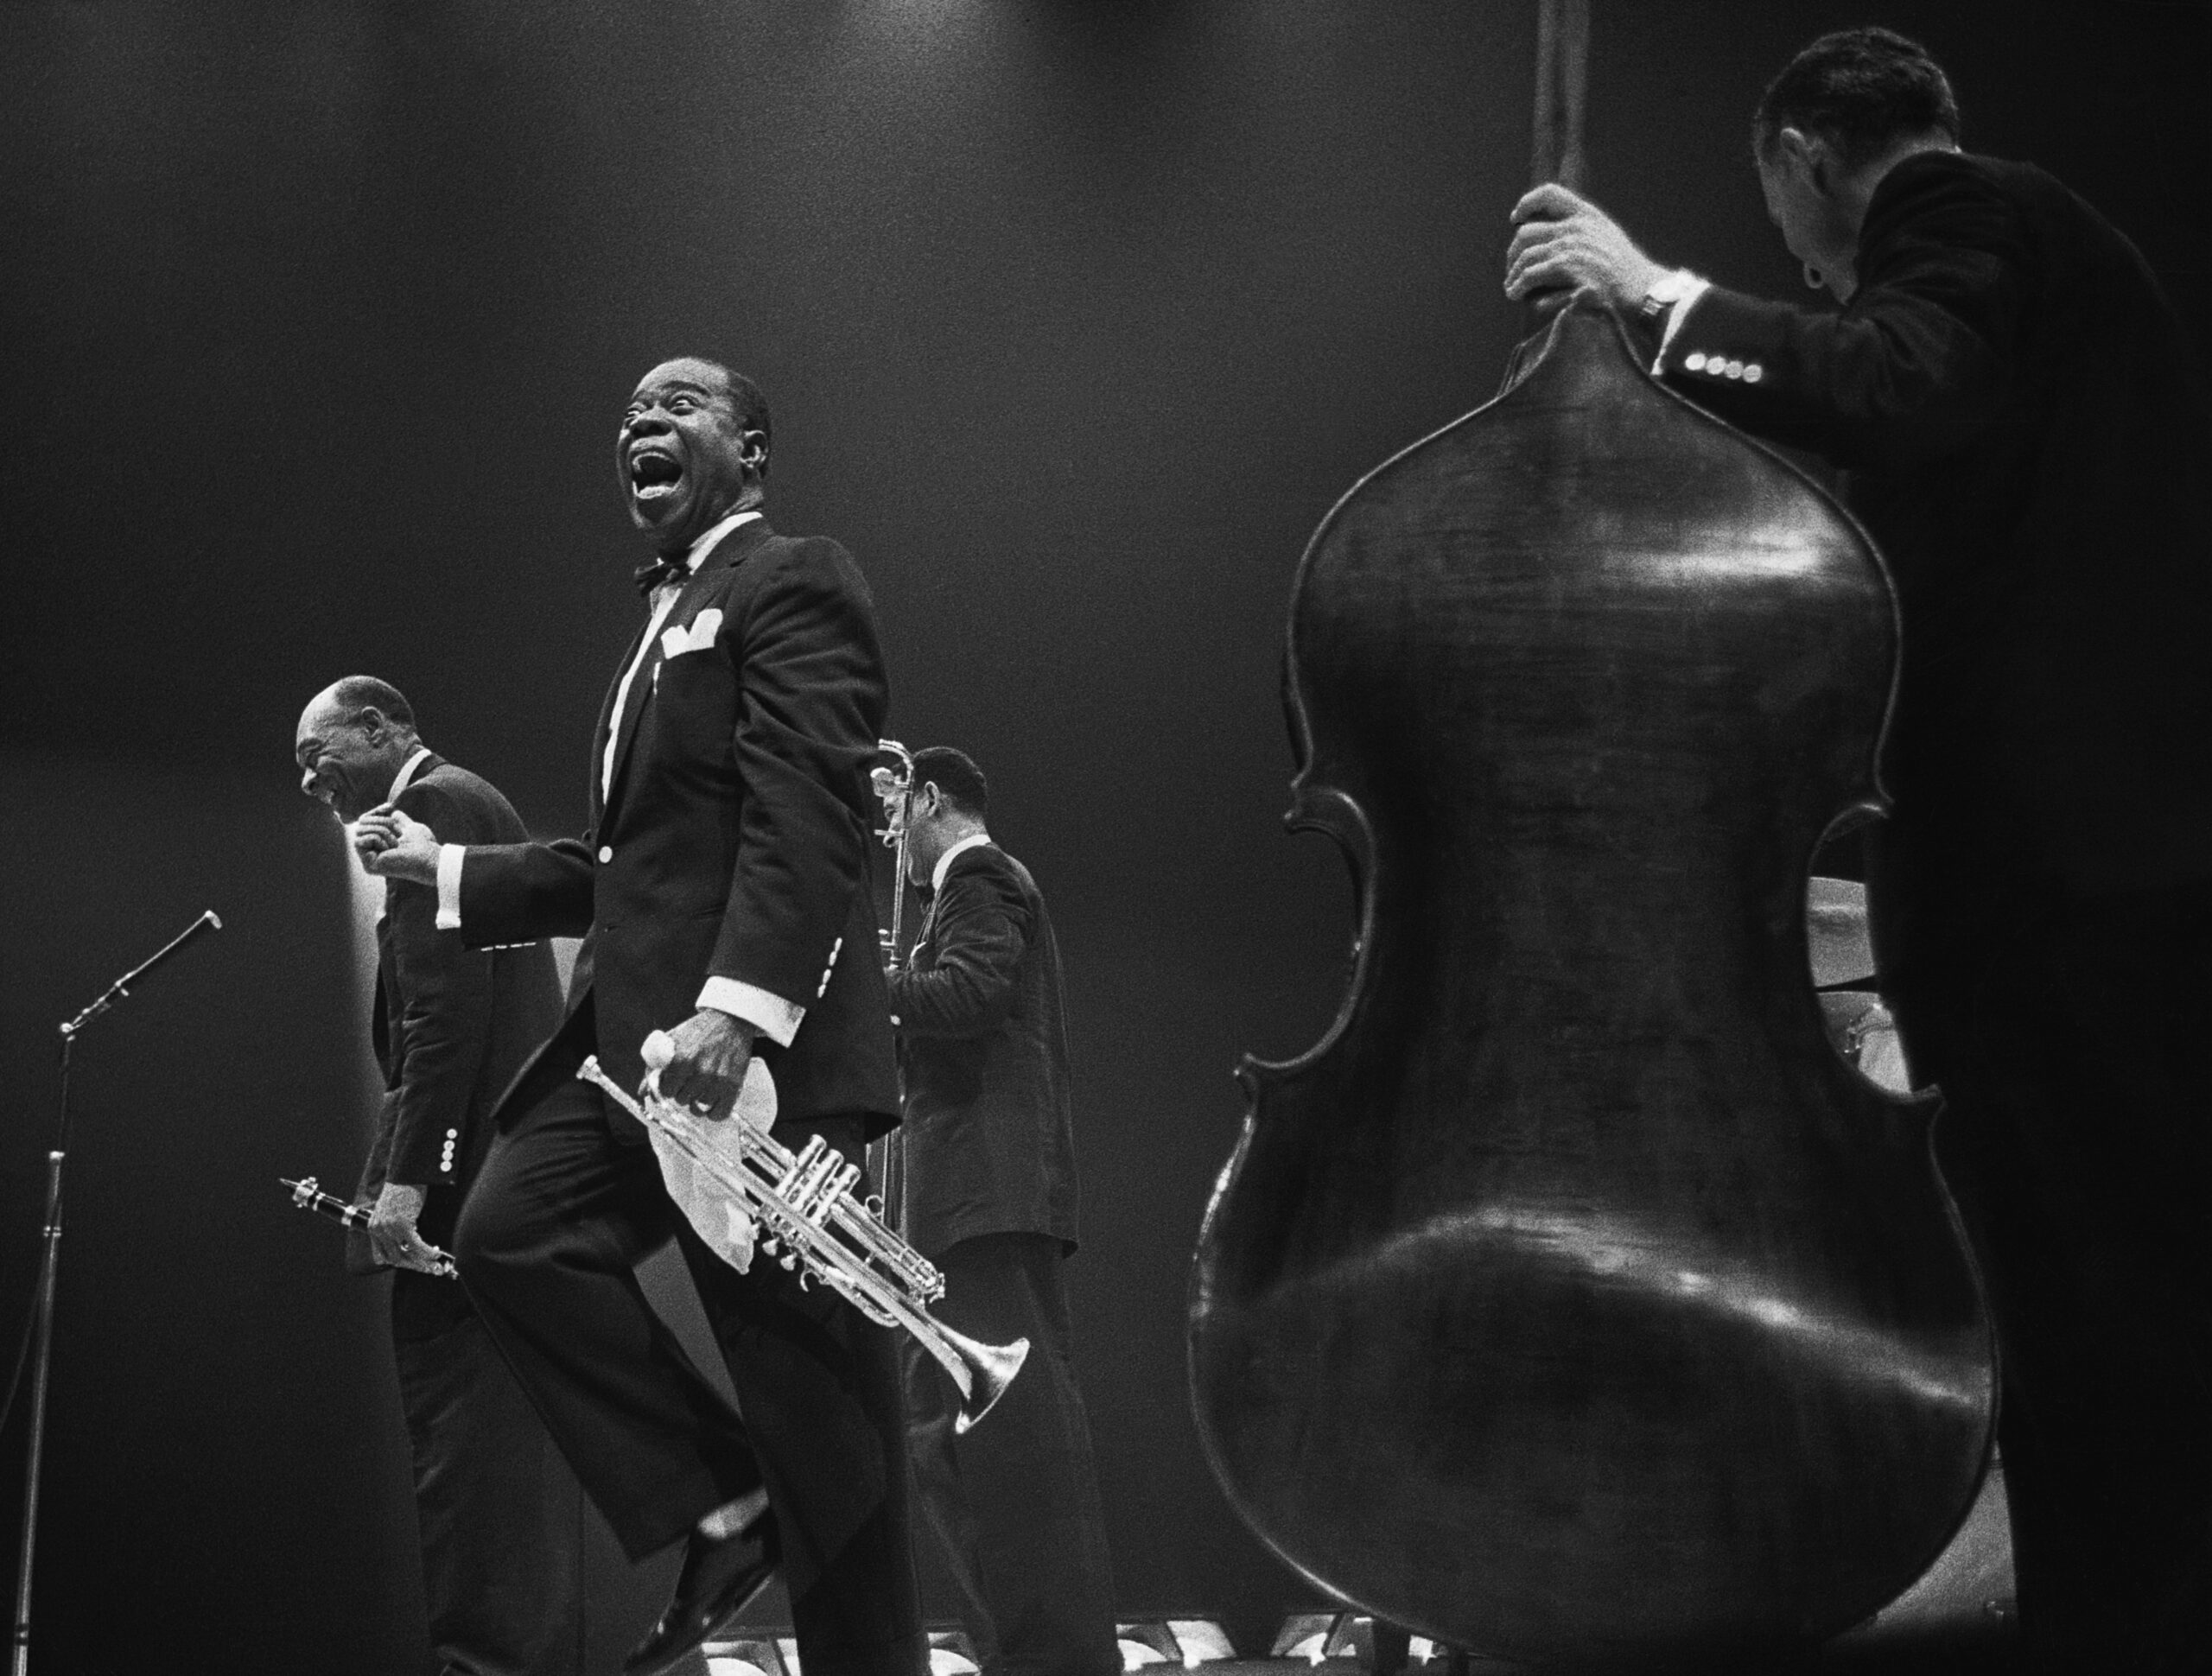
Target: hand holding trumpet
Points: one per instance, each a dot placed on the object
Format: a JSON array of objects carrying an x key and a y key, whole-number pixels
[{"x": 702, "y": 1065}]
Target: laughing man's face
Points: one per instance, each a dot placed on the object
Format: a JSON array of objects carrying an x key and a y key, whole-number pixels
[
  {"x": 346, "y": 762},
  {"x": 682, "y": 459}
]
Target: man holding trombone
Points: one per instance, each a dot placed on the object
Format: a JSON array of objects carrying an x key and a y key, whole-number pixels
[{"x": 988, "y": 1160}]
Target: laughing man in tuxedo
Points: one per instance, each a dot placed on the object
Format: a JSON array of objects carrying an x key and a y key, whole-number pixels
[{"x": 723, "y": 892}]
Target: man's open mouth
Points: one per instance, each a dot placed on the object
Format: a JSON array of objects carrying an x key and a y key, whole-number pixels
[{"x": 654, "y": 475}]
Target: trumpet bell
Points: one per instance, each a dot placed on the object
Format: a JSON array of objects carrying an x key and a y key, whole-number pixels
[{"x": 991, "y": 1368}]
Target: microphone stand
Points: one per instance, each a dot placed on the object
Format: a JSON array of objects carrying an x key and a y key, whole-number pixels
[{"x": 49, "y": 1266}]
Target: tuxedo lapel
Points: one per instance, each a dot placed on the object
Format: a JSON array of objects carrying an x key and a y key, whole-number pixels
[
  {"x": 727, "y": 553},
  {"x": 925, "y": 939},
  {"x": 379, "y": 1009},
  {"x": 383, "y": 1024},
  {"x": 634, "y": 705},
  {"x": 599, "y": 782}
]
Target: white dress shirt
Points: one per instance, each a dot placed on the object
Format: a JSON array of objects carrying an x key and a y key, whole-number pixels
[
  {"x": 664, "y": 601},
  {"x": 1680, "y": 291},
  {"x": 774, "y": 1017},
  {"x": 405, "y": 777},
  {"x": 944, "y": 862}
]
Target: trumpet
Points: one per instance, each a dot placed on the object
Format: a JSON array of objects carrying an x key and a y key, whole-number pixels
[
  {"x": 308, "y": 1194},
  {"x": 803, "y": 1207}
]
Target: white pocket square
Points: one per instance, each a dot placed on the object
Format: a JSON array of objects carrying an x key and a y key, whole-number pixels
[{"x": 675, "y": 642}]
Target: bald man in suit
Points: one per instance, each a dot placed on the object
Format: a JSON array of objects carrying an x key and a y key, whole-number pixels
[{"x": 500, "y": 1516}]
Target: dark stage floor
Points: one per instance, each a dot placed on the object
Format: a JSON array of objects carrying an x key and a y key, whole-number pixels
[{"x": 1958, "y": 1620}]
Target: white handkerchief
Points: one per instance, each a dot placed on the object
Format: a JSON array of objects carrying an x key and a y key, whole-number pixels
[
  {"x": 675, "y": 642},
  {"x": 699, "y": 1168}
]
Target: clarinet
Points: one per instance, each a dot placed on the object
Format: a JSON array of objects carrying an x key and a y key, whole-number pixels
[{"x": 308, "y": 1194}]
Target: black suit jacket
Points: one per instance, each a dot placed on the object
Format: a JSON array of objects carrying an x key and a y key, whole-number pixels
[
  {"x": 452, "y": 1026},
  {"x": 989, "y": 1143},
  {"x": 735, "y": 842},
  {"x": 2026, "y": 436}
]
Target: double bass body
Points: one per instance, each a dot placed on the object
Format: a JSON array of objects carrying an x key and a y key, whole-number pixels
[{"x": 1572, "y": 1301}]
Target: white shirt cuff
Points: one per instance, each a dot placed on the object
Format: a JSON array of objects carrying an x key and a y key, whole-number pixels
[
  {"x": 775, "y": 1018},
  {"x": 1676, "y": 315},
  {"x": 449, "y": 885}
]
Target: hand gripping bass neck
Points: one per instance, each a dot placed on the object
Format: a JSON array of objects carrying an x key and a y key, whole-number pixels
[{"x": 733, "y": 1176}]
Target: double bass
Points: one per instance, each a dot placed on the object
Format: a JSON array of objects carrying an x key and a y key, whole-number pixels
[{"x": 1572, "y": 1301}]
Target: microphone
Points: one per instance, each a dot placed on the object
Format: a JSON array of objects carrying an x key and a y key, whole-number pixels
[{"x": 120, "y": 989}]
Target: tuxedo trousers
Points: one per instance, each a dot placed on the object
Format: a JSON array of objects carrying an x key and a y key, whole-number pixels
[
  {"x": 1015, "y": 1499},
  {"x": 2070, "y": 1037},
  {"x": 501, "y": 1514},
  {"x": 560, "y": 1213}
]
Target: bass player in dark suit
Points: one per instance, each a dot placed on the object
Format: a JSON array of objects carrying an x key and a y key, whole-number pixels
[
  {"x": 988, "y": 1151},
  {"x": 2024, "y": 430},
  {"x": 501, "y": 1518},
  {"x": 723, "y": 892}
]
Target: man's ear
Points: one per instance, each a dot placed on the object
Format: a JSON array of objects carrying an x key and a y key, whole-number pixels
[
  {"x": 372, "y": 724},
  {"x": 1813, "y": 157}
]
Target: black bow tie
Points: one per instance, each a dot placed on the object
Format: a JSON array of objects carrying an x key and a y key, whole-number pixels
[{"x": 661, "y": 573}]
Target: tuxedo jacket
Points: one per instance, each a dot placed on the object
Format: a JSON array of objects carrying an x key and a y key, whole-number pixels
[
  {"x": 2024, "y": 429},
  {"x": 452, "y": 1026},
  {"x": 988, "y": 1145},
  {"x": 734, "y": 841}
]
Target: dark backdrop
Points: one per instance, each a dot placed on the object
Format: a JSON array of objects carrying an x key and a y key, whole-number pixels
[{"x": 1076, "y": 318}]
